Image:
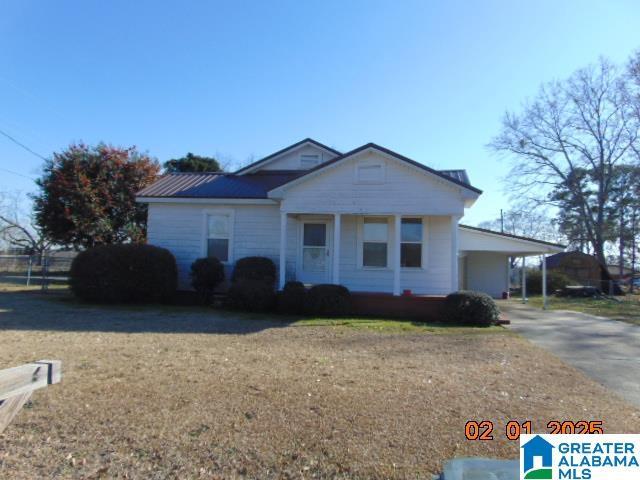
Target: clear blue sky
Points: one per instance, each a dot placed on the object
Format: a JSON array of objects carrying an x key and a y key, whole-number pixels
[{"x": 242, "y": 79}]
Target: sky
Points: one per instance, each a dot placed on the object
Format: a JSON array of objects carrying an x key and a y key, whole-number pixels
[{"x": 239, "y": 80}]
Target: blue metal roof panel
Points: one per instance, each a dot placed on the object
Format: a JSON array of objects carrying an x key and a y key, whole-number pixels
[{"x": 217, "y": 185}]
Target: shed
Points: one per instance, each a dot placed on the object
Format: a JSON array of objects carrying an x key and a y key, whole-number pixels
[{"x": 583, "y": 269}]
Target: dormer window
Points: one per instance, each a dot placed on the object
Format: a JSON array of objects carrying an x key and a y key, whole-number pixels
[
  {"x": 307, "y": 162},
  {"x": 370, "y": 172}
]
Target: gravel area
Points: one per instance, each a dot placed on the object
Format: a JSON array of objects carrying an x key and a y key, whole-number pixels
[{"x": 160, "y": 393}]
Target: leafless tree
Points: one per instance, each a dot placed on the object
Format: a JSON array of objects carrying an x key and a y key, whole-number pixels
[
  {"x": 584, "y": 124},
  {"x": 526, "y": 223},
  {"x": 16, "y": 228}
]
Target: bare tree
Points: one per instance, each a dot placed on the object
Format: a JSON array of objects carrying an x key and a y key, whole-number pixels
[
  {"x": 526, "y": 223},
  {"x": 16, "y": 229},
  {"x": 583, "y": 124}
]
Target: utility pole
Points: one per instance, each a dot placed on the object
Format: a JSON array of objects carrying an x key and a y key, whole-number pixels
[{"x": 501, "y": 221}]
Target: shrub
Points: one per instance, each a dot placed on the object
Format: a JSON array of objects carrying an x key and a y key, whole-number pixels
[
  {"x": 255, "y": 268},
  {"x": 329, "y": 300},
  {"x": 251, "y": 295},
  {"x": 473, "y": 308},
  {"x": 206, "y": 274},
  {"x": 124, "y": 273},
  {"x": 292, "y": 300},
  {"x": 555, "y": 281}
]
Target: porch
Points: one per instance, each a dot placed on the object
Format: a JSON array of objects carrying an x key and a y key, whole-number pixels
[{"x": 370, "y": 252}]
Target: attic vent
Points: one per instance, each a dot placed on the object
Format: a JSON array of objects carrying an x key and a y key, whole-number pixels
[
  {"x": 370, "y": 173},
  {"x": 307, "y": 162}
]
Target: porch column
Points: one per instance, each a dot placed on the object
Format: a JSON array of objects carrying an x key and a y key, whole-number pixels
[
  {"x": 524, "y": 281},
  {"x": 283, "y": 250},
  {"x": 454, "y": 254},
  {"x": 396, "y": 253},
  {"x": 544, "y": 281},
  {"x": 336, "y": 248}
]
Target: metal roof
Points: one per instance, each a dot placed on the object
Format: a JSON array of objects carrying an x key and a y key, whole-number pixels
[
  {"x": 218, "y": 185},
  {"x": 460, "y": 175}
]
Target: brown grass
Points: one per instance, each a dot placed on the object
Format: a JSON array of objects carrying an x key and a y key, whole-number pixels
[{"x": 190, "y": 393}]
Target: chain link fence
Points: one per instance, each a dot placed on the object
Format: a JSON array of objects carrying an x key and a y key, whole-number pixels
[{"x": 51, "y": 268}]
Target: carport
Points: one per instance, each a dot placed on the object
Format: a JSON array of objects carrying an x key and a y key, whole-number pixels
[{"x": 484, "y": 260}]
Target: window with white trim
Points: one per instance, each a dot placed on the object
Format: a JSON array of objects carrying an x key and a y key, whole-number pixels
[
  {"x": 411, "y": 237},
  {"x": 307, "y": 162},
  {"x": 375, "y": 241},
  {"x": 218, "y": 228}
]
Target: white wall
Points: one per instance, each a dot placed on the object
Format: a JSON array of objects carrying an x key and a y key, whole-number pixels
[
  {"x": 256, "y": 231},
  {"x": 434, "y": 278},
  {"x": 486, "y": 272},
  {"x": 180, "y": 229},
  {"x": 291, "y": 160},
  {"x": 405, "y": 190}
]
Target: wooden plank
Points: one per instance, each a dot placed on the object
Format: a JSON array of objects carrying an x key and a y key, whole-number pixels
[
  {"x": 25, "y": 378},
  {"x": 55, "y": 370},
  {"x": 10, "y": 407},
  {"x": 29, "y": 377}
]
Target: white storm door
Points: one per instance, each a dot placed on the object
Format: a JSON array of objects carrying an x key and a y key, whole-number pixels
[{"x": 314, "y": 260}]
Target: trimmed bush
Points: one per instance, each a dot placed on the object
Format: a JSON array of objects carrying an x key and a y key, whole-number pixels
[
  {"x": 255, "y": 268},
  {"x": 123, "y": 274},
  {"x": 292, "y": 299},
  {"x": 555, "y": 281},
  {"x": 206, "y": 274},
  {"x": 471, "y": 308},
  {"x": 329, "y": 300},
  {"x": 251, "y": 296}
]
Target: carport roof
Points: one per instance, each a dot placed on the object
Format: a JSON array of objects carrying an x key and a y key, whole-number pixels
[
  {"x": 482, "y": 239},
  {"x": 516, "y": 237}
]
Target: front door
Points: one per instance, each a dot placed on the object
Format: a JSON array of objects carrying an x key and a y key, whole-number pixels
[{"x": 315, "y": 253}]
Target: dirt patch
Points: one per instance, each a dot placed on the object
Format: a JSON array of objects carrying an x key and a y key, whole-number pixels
[{"x": 184, "y": 393}]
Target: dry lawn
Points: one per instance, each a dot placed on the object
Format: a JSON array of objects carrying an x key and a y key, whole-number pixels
[{"x": 189, "y": 393}]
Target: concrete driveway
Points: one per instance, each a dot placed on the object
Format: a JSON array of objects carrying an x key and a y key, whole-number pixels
[{"x": 606, "y": 350}]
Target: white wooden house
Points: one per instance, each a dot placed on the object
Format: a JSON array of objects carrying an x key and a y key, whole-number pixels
[{"x": 370, "y": 219}]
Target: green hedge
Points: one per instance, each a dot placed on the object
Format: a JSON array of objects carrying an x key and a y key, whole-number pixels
[
  {"x": 206, "y": 274},
  {"x": 471, "y": 308},
  {"x": 292, "y": 299},
  {"x": 329, "y": 301},
  {"x": 123, "y": 274},
  {"x": 255, "y": 268},
  {"x": 251, "y": 296}
]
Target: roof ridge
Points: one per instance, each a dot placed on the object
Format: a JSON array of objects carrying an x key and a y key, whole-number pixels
[
  {"x": 290, "y": 147},
  {"x": 399, "y": 156}
]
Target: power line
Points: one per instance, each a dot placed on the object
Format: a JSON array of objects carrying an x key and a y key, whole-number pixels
[
  {"x": 15, "y": 173},
  {"x": 20, "y": 144}
]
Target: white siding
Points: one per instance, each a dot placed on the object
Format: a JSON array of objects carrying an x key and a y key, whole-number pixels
[
  {"x": 180, "y": 229},
  {"x": 405, "y": 190},
  {"x": 291, "y": 160},
  {"x": 433, "y": 279},
  {"x": 486, "y": 272},
  {"x": 256, "y": 231}
]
